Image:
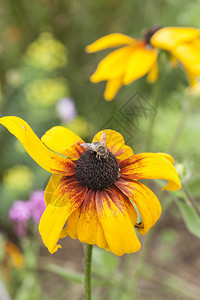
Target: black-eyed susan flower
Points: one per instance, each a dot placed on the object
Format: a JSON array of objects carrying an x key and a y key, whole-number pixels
[
  {"x": 184, "y": 46},
  {"x": 94, "y": 188},
  {"x": 136, "y": 58}
]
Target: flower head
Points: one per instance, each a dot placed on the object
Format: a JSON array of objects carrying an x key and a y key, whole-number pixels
[
  {"x": 94, "y": 188},
  {"x": 66, "y": 109},
  {"x": 136, "y": 58}
]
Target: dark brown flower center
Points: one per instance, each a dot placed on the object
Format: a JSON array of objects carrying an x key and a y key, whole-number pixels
[
  {"x": 96, "y": 172},
  {"x": 149, "y": 33}
]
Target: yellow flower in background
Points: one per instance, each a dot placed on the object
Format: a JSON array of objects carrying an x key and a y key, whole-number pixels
[
  {"x": 184, "y": 46},
  {"x": 136, "y": 58},
  {"x": 133, "y": 60},
  {"x": 47, "y": 53},
  {"x": 46, "y": 92},
  {"x": 94, "y": 188},
  {"x": 18, "y": 178}
]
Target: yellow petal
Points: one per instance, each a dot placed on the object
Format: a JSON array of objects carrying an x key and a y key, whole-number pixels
[
  {"x": 116, "y": 224},
  {"x": 188, "y": 54},
  {"x": 114, "y": 140},
  {"x": 123, "y": 153},
  {"x": 127, "y": 204},
  {"x": 51, "y": 187},
  {"x": 139, "y": 64},
  {"x": 168, "y": 37},
  {"x": 72, "y": 224},
  {"x": 36, "y": 149},
  {"x": 59, "y": 138},
  {"x": 108, "y": 41},
  {"x": 151, "y": 166},
  {"x": 89, "y": 227},
  {"x": 113, "y": 65},
  {"x": 145, "y": 200},
  {"x": 153, "y": 74},
  {"x": 112, "y": 87},
  {"x": 67, "y": 197}
]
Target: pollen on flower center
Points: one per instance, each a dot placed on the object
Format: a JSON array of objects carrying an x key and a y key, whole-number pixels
[{"x": 95, "y": 172}]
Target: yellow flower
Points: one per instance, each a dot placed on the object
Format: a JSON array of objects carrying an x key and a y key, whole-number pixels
[
  {"x": 133, "y": 60},
  {"x": 136, "y": 58},
  {"x": 94, "y": 187},
  {"x": 184, "y": 45}
]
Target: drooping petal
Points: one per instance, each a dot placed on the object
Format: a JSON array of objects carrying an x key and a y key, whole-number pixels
[
  {"x": 36, "y": 149},
  {"x": 72, "y": 224},
  {"x": 89, "y": 227},
  {"x": 127, "y": 204},
  {"x": 188, "y": 54},
  {"x": 51, "y": 187},
  {"x": 168, "y": 37},
  {"x": 112, "y": 87},
  {"x": 59, "y": 138},
  {"x": 153, "y": 74},
  {"x": 151, "y": 166},
  {"x": 108, "y": 41},
  {"x": 144, "y": 199},
  {"x": 113, "y": 65},
  {"x": 116, "y": 224},
  {"x": 140, "y": 63},
  {"x": 67, "y": 197},
  {"x": 114, "y": 140}
]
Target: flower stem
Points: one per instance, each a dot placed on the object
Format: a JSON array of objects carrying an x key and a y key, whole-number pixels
[
  {"x": 87, "y": 271},
  {"x": 180, "y": 127}
]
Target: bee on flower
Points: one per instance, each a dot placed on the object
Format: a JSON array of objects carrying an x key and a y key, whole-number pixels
[
  {"x": 95, "y": 187},
  {"x": 136, "y": 58}
]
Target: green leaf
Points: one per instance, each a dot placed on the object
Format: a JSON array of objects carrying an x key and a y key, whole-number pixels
[{"x": 191, "y": 218}]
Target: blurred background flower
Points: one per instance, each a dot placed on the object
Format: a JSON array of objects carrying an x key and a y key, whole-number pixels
[{"x": 66, "y": 109}]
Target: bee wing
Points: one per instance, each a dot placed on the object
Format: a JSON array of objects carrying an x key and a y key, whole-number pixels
[
  {"x": 89, "y": 146},
  {"x": 103, "y": 139}
]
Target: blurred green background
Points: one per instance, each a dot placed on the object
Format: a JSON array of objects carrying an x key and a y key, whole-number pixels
[{"x": 42, "y": 60}]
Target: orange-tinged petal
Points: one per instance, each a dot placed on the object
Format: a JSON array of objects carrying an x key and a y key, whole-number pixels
[
  {"x": 89, "y": 227},
  {"x": 59, "y": 138},
  {"x": 151, "y": 166},
  {"x": 36, "y": 149},
  {"x": 67, "y": 197},
  {"x": 118, "y": 229},
  {"x": 145, "y": 200},
  {"x": 51, "y": 187},
  {"x": 113, "y": 65},
  {"x": 75, "y": 151},
  {"x": 168, "y": 37},
  {"x": 188, "y": 54},
  {"x": 123, "y": 153},
  {"x": 108, "y": 41},
  {"x": 153, "y": 74},
  {"x": 140, "y": 63},
  {"x": 72, "y": 224},
  {"x": 16, "y": 257},
  {"x": 114, "y": 140},
  {"x": 112, "y": 87},
  {"x": 127, "y": 204}
]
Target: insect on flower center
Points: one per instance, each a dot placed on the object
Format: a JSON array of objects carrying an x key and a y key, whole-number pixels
[
  {"x": 149, "y": 33},
  {"x": 97, "y": 172}
]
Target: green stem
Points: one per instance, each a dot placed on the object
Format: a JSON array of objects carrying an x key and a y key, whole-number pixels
[
  {"x": 155, "y": 102},
  {"x": 180, "y": 127},
  {"x": 190, "y": 200},
  {"x": 87, "y": 271}
]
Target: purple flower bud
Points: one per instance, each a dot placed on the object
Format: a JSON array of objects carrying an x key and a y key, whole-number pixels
[{"x": 66, "y": 109}]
